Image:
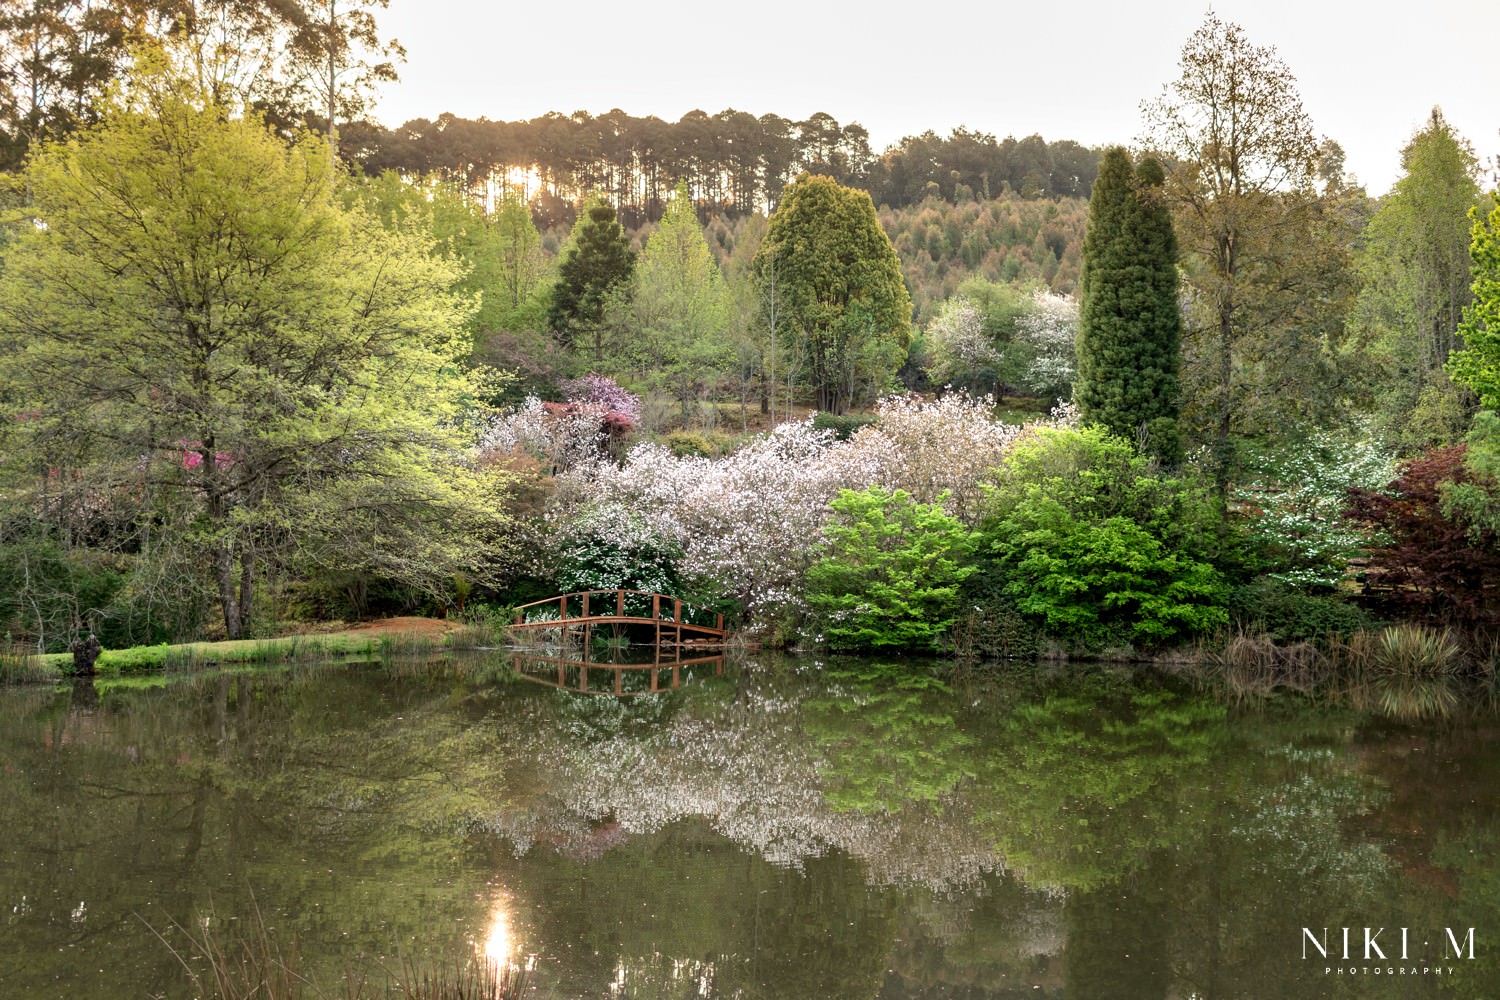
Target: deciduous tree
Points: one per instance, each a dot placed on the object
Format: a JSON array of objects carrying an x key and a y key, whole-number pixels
[
  {"x": 193, "y": 311},
  {"x": 1415, "y": 269},
  {"x": 1265, "y": 257},
  {"x": 839, "y": 288},
  {"x": 680, "y": 306}
]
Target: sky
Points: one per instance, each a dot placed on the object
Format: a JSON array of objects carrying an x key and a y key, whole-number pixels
[{"x": 1369, "y": 72}]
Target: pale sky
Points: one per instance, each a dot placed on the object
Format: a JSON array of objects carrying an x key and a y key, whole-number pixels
[{"x": 1369, "y": 72}]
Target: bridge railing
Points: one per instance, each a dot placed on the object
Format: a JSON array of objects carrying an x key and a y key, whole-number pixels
[{"x": 639, "y": 605}]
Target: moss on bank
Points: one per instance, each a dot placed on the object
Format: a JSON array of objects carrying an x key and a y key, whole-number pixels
[{"x": 144, "y": 659}]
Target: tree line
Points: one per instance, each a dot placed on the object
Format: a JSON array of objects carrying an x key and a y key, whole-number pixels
[
  {"x": 298, "y": 62},
  {"x": 732, "y": 162}
]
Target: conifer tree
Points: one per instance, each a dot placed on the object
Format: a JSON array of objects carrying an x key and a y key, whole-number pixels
[
  {"x": 1129, "y": 327},
  {"x": 597, "y": 261}
]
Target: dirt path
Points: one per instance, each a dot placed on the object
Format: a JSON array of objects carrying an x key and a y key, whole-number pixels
[{"x": 409, "y": 624}]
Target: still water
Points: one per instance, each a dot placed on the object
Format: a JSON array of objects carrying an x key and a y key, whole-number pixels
[{"x": 790, "y": 829}]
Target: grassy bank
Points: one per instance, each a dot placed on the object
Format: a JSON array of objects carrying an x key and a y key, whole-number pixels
[{"x": 186, "y": 656}]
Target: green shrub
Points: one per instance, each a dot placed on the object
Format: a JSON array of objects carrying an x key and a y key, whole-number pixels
[
  {"x": 1099, "y": 546},
  {"x": 843, "y": 427},
  {"x": 699, "y": 444},
  {"x": 994, "y": 631},
  {"x": 1287, "y": 614},
  {"x": 889, "y": 572}
]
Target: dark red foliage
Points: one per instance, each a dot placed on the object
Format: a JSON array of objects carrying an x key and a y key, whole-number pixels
[{"x": 1422, "y": 565}]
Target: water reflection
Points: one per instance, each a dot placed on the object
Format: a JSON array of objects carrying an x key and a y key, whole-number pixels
[
  {"x": 500, "y": 948},
  {"x": 668, "y": 670},
  {"x": 845, "y": 830}
]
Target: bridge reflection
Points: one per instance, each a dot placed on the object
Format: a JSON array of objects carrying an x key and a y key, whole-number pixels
[{"x": 623, "y": 680}]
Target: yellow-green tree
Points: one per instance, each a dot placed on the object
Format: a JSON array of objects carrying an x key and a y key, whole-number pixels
[
  {"x": 1414, "y": 261},
  {"x": 680, "y": 306},
  {"x": 192, "y": 312}
]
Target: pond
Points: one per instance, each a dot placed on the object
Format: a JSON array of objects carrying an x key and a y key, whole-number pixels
[{"x": 772, "y": 828}]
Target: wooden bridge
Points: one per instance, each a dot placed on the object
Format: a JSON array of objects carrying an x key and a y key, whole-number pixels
[
  {"x": 674, "y": 622},
  {"x": 619, "y": 679}
]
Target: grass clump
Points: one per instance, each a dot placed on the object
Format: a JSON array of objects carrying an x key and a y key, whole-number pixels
[
  {"x": 18, "y": 666},
  {"x": 244, "y": 960}
]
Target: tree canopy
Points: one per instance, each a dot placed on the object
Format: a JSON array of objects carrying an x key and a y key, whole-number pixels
[
  {"x": 195, "y": 319},
  {"x": 1415, "y": 266},
  {"x": 1263, "y": 251},
  {"x": 839, "y": 287},
  {"x": 597, "y": 261}
]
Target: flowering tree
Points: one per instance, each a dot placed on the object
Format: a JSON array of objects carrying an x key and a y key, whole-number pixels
[
  {"x": 938, "y": 451},
  {"x": 961, "y": 354},
  {"x": 1049, "y": 331},
  {"x": 606, "y": 395},
  {"x": 562, "y": 438},
  {"x": 747, "y": 525},
  {"x": 1294, "y": 508}
]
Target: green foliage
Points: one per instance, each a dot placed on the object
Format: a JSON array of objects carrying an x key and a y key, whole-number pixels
[
  {"x": 844, "y": 426},
  {"x": 1288, "y": 614},
  {"x": 53, "y": 594},
  {"x": 837, "y": 289},
  {"x": 598, "y": 261},
  {"x": 704, "y": 444},
  {"x": 294, "y": 376},
  {"x": 521, "y": 265},
  {"x": 1129, "y": 327},
  {"x": 1098, "y": 545},
  {"x": 679, "y": 308},
  {"x": 1414, "y": 262},
  {"x": 890, "y": 571},
  {"x": 455, "y": 229},
  {"x": 1478, "y": 365}
]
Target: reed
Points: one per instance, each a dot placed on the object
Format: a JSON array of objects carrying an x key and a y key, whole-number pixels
[
  {"x": 19, "y": 666},
  {"x": 249, "y": 963}
]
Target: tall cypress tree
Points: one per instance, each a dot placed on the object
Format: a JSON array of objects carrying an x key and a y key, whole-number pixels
[{"x": 1129, "y": 325}]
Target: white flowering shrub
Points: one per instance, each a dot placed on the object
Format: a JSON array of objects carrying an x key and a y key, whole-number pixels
[
  {"x": 608, "y": 546},
  {"x": 1293, "y": 507},
  {"x": 561, "y": 437},
  {"x": 960, "y": 353},
  {"x": 929, "y": 448},
  {"x": 1049, "y": 331},
  {"x": 746, "y": 526}
]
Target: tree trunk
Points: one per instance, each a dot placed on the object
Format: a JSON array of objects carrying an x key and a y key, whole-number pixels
[
  {"x": 228, "y": 596},
  {"x": 247, "y": 586}
]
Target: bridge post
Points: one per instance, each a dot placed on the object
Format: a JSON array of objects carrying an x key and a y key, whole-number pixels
[
  {"x": 562, "y": 608},
  {"x": 585, "y": 604},
  {"x": 620, "y": 603}
]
